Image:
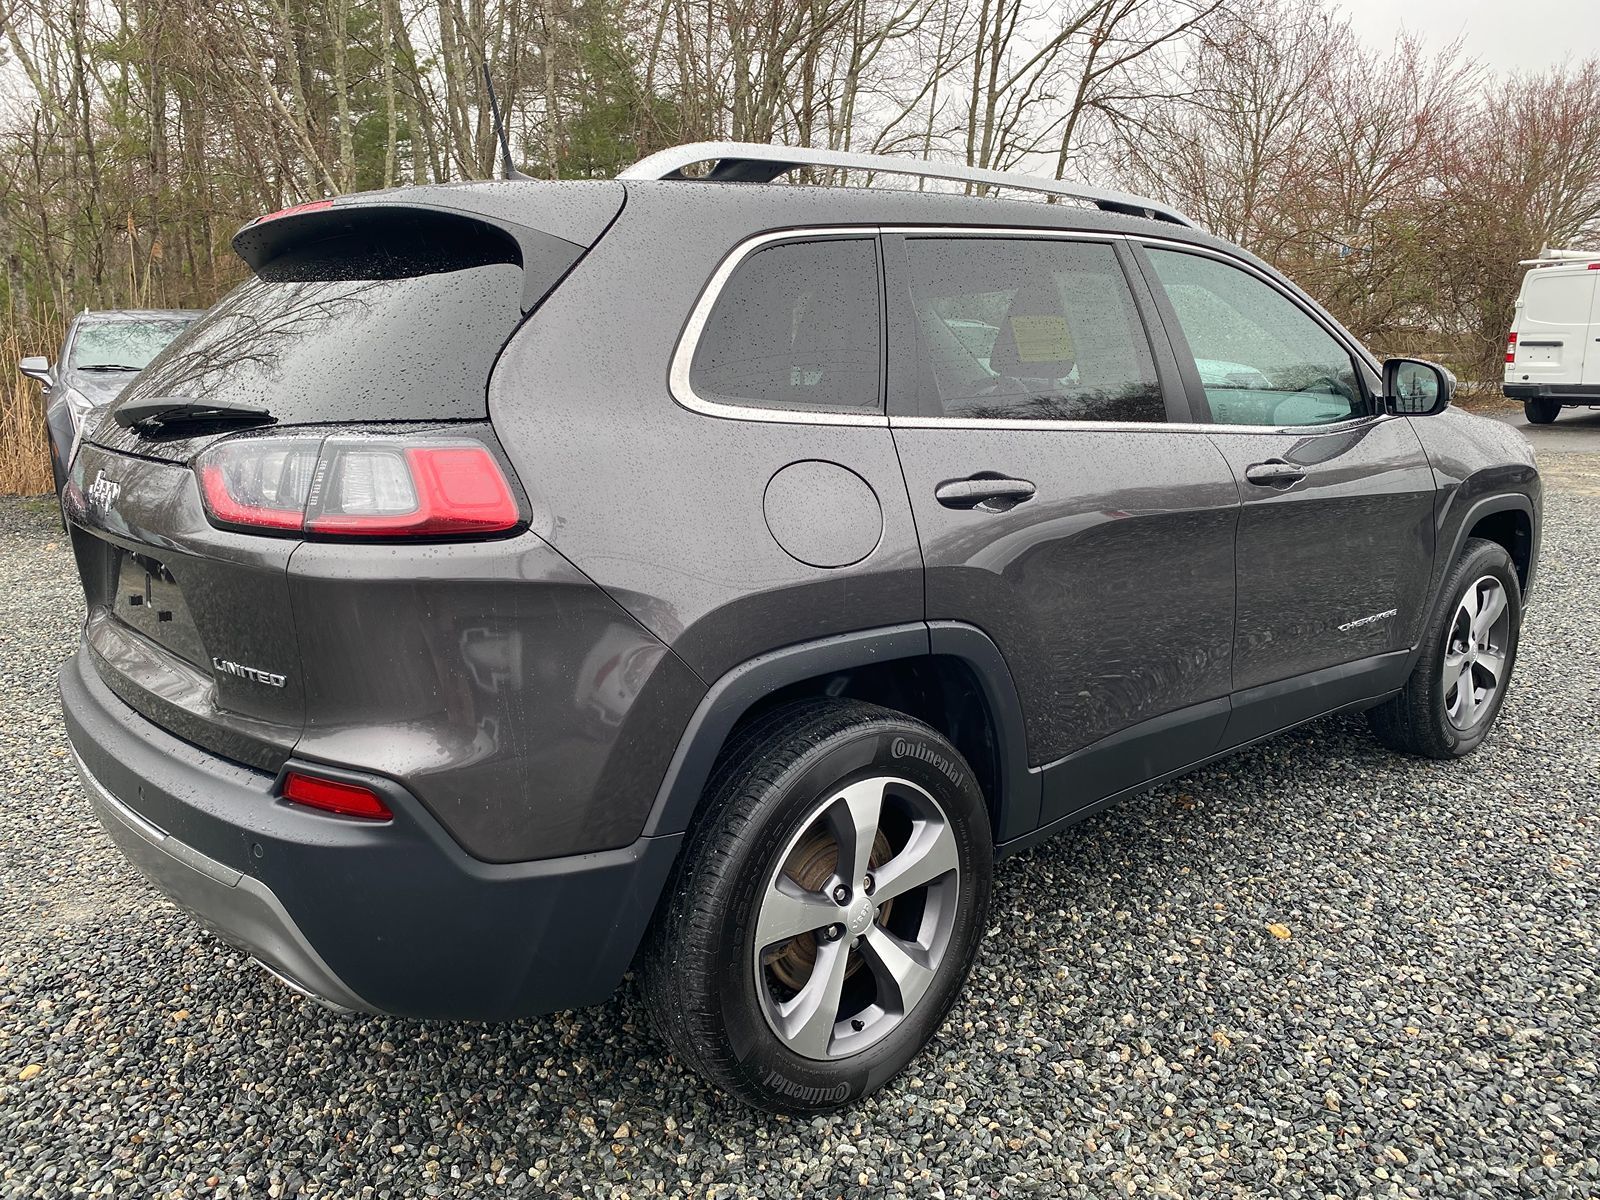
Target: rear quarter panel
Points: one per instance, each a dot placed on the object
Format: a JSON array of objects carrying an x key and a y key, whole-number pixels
[
  {"x": 662, "y": 506},
  {"x": 520, "y": 704}
]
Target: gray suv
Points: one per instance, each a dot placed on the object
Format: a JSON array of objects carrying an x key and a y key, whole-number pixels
[{"x": 513, "y": 584}]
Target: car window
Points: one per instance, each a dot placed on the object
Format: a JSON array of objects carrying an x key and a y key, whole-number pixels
[
  {"x": 123, "y": 343},
  {"x": 320, "y": 343},
  {"x": 1262, "y": 359},
  {"x": 796, "y": 326},
  {"x": 1028, "y": 329}
]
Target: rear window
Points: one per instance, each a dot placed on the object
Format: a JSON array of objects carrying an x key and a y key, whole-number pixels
[{"x": 320, "y": 337}]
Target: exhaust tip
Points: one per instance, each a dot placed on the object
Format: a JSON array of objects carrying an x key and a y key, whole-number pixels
[{"x": 300, "y": 989}]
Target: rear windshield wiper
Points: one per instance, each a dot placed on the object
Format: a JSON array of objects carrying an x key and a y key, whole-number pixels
[{"x": 164, "y": 412}]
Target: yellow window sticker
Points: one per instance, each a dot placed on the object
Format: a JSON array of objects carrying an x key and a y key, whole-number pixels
[{"x": 1042, "y": 339}]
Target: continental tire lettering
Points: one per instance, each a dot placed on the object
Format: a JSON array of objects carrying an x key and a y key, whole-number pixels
[
  {"x": 906, "y": 748},
  {"x": 805, "y": 1094}
]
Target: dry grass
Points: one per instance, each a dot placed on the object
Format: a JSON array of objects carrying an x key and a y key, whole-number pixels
[{"x": 24, "y": 452}]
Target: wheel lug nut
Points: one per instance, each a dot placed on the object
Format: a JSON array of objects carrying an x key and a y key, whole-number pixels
[
  {"x": 833, "y": 933},
  {"x": 868, "y": 886},
  {"x": 841, "y": 894}
]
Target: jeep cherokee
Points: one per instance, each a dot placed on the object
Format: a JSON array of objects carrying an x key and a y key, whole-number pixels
[{"x": 512, "y": 584}]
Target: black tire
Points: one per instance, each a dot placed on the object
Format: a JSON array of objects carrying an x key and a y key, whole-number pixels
[
  {"x": 698, "y": 969},
  {"x": 1541, "y": 411},
  {"x": 1416, "y": 721}
]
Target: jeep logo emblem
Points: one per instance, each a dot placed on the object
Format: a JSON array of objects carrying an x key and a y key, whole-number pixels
[{"x": 103, "y": 492}]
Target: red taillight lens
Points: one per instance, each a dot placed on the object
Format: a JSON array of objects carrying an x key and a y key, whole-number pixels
[
  {"x": 424, "y": 491},
  {"x": 259, "y": 483},
  {"x": 1511, "y": 347},
  {"x": 350, "y": 487},
  {"x": 345, "y": 799}
]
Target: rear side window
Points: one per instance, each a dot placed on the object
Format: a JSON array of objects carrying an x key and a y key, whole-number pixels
[
  {"x": 795, "y": 327},
  {"x": 323, "y": 335},
  {"x": 1027, "y": 329}
]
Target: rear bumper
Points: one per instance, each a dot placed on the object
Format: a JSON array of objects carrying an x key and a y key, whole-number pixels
[
  {"x": 393, "y": 917},
  {"x": 1567, "y": 393}
]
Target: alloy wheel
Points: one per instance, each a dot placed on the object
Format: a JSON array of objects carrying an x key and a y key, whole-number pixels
[
  {"x": 1476, "y": 641},
  {"x": 850, "y": 936}
]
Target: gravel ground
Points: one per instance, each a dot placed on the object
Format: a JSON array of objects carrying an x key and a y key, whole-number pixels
[{"x": 1311, "y": 970}]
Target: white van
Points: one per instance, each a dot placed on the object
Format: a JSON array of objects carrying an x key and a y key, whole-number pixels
[{"x": 1553, "y": 353}]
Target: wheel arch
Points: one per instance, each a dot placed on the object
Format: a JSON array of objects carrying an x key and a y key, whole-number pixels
[
  {"x": 1504, "y": 520},
  {"x": 949, "y": 674},
  {"x": 1512, "y": 528}
]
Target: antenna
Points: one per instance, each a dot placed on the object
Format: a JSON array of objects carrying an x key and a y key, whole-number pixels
[{"x": 509, "y": 171}]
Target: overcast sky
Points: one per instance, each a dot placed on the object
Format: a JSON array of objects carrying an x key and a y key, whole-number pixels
[{"x": 1505, "y": 35}]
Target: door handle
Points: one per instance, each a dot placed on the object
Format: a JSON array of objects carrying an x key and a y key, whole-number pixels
[
  {"x": 1274, "y": 473},
  {"x": 991, "y": 493}
]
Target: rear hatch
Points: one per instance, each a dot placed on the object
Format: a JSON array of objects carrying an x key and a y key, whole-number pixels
[{"x": 369, "y": 322}]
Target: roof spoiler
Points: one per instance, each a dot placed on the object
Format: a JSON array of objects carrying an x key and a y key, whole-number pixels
[{"x": 543, "y": 227}]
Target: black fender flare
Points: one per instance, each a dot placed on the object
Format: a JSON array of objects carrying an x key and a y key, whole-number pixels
[
  {"x": 734, "y": 693},
  {"x": 1484, "y": 506},
  {"x": 1487, "y": 506}
]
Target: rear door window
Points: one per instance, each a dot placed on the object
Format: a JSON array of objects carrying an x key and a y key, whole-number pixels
[
  {"x": 796, "y": 326},
  {"x": 1027, "y": 329}
]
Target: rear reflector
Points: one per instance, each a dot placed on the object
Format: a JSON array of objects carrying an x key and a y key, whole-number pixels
[
  {"x": 345, "y": 799},
  {"x": 349, "y": 487}
]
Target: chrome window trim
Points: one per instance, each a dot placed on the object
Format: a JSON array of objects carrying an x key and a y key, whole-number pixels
[
  {"x": 688, "y": 340},
  {"x": 683, "y": 355},
  {"x": 1136, "y": 426}
]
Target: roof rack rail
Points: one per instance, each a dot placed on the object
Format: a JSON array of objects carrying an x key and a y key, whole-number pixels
[
  {"x": 757, "y": 162},
  {"x": 1549, "y": 257}
]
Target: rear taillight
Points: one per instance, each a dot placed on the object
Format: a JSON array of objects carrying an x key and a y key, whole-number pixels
[
  {"x": 331, "y": 795},
  {"x": 356, "y": 487},
  {"x": 1511, "y": 347}
]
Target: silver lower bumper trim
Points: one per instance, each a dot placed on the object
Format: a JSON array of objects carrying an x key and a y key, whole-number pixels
[{"x": 238, "y": 908}]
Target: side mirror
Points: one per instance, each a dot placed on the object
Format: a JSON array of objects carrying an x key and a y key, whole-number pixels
[
  {"x": 1413, "y": 387},
  {"x": 36, "y": 367}
]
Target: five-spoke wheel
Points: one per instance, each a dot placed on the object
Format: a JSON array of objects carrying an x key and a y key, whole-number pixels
[
  {"x": 871, "y": 881},
  {"x": 1475, "y": 658},
  {"x": 826, "y": 909},
  {"x": 1469, "y": 647}
]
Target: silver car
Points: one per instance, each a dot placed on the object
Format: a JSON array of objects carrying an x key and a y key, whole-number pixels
[{"x": 100, "y": 356}]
